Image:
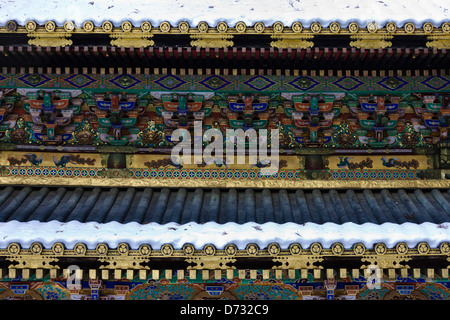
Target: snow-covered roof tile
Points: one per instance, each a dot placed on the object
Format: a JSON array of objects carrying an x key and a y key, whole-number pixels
[
  {"x": 201, "y": 216},
  {"x": 233, "y": 11}
]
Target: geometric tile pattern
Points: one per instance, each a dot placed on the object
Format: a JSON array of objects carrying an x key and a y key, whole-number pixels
[{"x": 436, "y": 82}]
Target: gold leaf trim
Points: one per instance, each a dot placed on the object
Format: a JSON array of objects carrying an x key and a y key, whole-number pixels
[
  {"x": 226, "y": 183},
  {"x": 128, "y": 40},
  {"x": 49, "y": 39},
  {"x": 211, "y": 41}
]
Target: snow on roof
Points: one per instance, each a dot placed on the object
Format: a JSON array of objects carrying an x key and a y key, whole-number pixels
[
  {"x": 231, "y": 11},
  {"x": 219, "y": 235}
]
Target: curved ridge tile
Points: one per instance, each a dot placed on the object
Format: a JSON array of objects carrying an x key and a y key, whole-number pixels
[
  {"x": 378, "y": 214},
  {"x": 432, "y": 211},
  {"x": 174, "y": 214},
  {"x": 416, "y": 214},
  {"x": 214, "y": 205},
  {"x": 83, "y": 209},
  {"x": 441, "y": 200},
  {"x": 5, "y": 194},
  {"x": 48, "y": 205},
  {"x": 121, "y": 206},
  {"x": 285, "y": 205},
  {"x": 66, "y": 205},
  {"x": 158, "y": 211},
  {"x": 361, "y": 216},
  {"x": 139, "y": 211},
  {"x": 192, "y": 213},
  {"x": 303, "y": 206},
  {"x": 394, "y": 209},
  {"x": 32, "y": 202},
  {"x": 103, "y": 205},
  {"x": 321, "y": 207},
  {"x": 232, "y": 205},
  {"x": 341, "y": 213},
  {"x": 14, "y": 204}
]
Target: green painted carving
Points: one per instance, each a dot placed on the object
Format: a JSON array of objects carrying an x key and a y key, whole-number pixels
[{"x": 151, "y": 136}]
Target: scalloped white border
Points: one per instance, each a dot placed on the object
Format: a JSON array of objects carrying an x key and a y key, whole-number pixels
[{"x": 219, "y": 235}]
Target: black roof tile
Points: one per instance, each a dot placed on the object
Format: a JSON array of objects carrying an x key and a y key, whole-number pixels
[{"x": 145, "y": 205}]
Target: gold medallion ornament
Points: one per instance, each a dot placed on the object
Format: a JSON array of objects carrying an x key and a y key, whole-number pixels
[
  {"x": 359, "y": 249},
  {"x": 335, "y": 27},
  {"x": 297, "y": 27},
  {"x": 337, "y": 249},
  {"x": 274, "y": 249},
  {"x": 126, "y": 26},
  {"x": 391, "y": 27},
  {"x": 222, "y": 27},
  {"x": 69, "y": 26},
  {"x": 50, "y": 26},
  {"x": 145, "y": 250},
  {"x": 446, "y": 27},
  {"x": 188, "y": 249},
  {"x": 401, "y": 248},
  {"x": 423, "y": 248},
  {"x": 252, "y": 249},
  {"x": 316, "y": 248},
  {"x": 202, "y": 26},
  {"x": 146, "y": 26},
  {"x": 164, "y": 26},
  {"x": 428, "y": 27},
  {"x": 58, "y": 248},
  {"x": 11, "y": 26},
  {"x": 353, "y": 27},
  {"x": 123, "y": 248},
  {"x": 230, "y": 250},
  {"x": 380, "y": 248},
  {"x": 409, "y": 27},
  {"x": 295, "y": 248},
  {"x": 183, "y": 27},
  {"x": 88, "y": 26},
  {"x": 107, "y": 26},
  {"x": 101, "y": 248},
  {"x": 36, "y": 248},
  {"x": 209, "y": 250},
  {"x": 278, "y": 27},
  {"x": 316, "y": 27},
  {"x": 372, "y": 27},
  {"x": 444, "y": 248},
  {"x": 14, "y": 248},
  {"x": 240, "y": 27},
  {"x": 30, "y": 26},
  {"x": 167, "y": 249},
  {"x": 259, "y": 27},
  {"x": 80, "y": 249}
]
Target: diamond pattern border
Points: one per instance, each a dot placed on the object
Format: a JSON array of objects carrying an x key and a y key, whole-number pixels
[
  {"x": 312, "y": 82},
  {"x": 43, "y": 79},
  {"x": 437, "y": 79},
  {"x": 348, "y": 83},
  {"x": 74, "y": 80},
  {"x": 259, "y": 83},
  {"x": 208, "y": 82},
  {"x": 116, "y": 81},
  {"x": 401, "y": 83},
  {"x": 165, "y": 82}
]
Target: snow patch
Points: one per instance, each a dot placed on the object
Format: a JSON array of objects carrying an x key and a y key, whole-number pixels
[{"x": 135, "y": 234}]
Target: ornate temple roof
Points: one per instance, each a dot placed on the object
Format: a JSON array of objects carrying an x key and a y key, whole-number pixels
[{"x": 238, "y": 216}]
